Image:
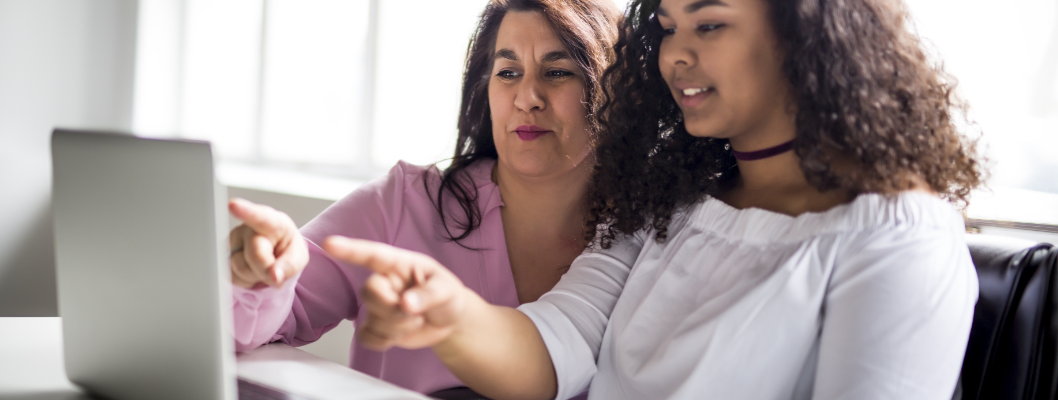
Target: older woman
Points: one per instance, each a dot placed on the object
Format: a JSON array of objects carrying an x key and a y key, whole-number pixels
[
  {"x": 506, "y": 217},
  {"x": 774, "y": 196}
]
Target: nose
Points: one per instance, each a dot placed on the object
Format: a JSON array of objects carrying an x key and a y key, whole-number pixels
[
  {"x": 530, "y": 96},
  {"x": 677, "y": 52}
]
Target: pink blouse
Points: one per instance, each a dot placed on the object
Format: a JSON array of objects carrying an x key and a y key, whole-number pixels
[{"x": 395, "y": 209}]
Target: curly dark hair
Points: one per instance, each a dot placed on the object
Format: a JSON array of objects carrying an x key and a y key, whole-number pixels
[
  {"x": 874, "y": 114},
  {"x": 588, "y": 30}
]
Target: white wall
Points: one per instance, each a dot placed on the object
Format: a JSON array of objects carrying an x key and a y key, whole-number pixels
[{"x": 62, "y": 63}]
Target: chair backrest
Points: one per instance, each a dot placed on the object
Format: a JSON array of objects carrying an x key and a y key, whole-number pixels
[{"x": 1013, "y": 345}]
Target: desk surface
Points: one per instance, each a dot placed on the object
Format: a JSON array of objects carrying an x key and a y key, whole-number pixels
[{"x": 31, "y": 368}]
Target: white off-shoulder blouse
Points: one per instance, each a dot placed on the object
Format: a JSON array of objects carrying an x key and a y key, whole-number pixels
[{"x": 868, "y": 300}]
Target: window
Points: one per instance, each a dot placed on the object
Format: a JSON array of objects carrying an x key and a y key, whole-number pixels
[
  {"x": 339, "y": 87},
  {"x": 348, "y": 87},
  {"x": 1005, "y": 57}
]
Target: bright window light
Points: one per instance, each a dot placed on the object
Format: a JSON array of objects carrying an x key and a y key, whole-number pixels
[
  {"x": 1006, "y": 62},
  {"x": 315, "y": 65},
  {"x": 158, "y": 64},
  {"x": 420, "y": 58},
  {"x": 221, "y": 74},
  {"x": 352, "y": 86}
]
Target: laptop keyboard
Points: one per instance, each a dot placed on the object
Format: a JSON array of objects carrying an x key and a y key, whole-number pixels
[{"x": 254, "y": 391}]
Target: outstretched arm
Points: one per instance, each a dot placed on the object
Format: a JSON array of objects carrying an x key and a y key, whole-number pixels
[{"x": 414, "y": 302}]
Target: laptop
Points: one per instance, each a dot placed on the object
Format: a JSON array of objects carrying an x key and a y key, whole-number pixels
[{"x": 142, "y": 265}]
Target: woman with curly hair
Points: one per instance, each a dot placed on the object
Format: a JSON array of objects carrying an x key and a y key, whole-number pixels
[{"x": 774, "y": 201}]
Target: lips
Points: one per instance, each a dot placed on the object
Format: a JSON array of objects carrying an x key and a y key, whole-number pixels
[
  {"x": 691, "y": 97},
  {"x": 691, "y": 92},
  {"x": 530, "y": 132}
]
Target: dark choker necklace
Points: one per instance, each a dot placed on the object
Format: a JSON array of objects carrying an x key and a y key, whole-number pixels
[{"x": 765, "y": 153}]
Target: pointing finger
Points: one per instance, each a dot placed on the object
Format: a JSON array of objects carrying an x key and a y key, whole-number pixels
[
  {"x": 262, "y": 219},
  {"x": 378, "y": 257}
]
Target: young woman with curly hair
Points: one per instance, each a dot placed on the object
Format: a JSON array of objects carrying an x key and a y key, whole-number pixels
[{"x": 774, "y": 201}]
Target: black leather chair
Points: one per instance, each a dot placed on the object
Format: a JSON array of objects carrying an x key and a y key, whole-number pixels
[{"x": 1013, "y": 345}]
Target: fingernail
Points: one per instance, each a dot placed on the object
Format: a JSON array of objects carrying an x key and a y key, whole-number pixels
[
  {"x": 330, "y": 242},
  {"x": 278, "y": 275},
  {"x": 336, "y": 239},
  {"x": 412, "y": 302}
]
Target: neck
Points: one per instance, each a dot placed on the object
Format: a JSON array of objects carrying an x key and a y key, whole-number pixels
[
  {"x": 782, "y": 171},
  {"x": 776, "y": 183},
  {"x": 778, "y": 171},
  {"x": 549, "y": 204}
]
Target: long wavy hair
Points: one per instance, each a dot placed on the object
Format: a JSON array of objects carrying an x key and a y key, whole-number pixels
[
  {"x": 588, "y": 30},
  {"x": 873, "y": 114}
]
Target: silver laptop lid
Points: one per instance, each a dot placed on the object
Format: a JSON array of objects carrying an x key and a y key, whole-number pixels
[{"x": 140, "y": 243}]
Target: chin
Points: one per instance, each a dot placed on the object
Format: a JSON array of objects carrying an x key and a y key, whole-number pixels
[
  {"x": 527, "y": 167},
  {"x": 704, "y": 129}
]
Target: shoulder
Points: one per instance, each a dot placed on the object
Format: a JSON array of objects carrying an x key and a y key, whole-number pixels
[
  {"x": 400, "y": 206},
  {"x": 405, "y": 179},
  {"x": 404, "y": 174},
  {"x": 375, "y": 209},
  {"x": 906, "y": 212},
  {"x": 914, "y": 238},
  {"x": 422, "y": 183},
  {"x": 867, "y": 213},
  {"x": 905, "y": 224},
  {"x": 387, "y": 188}
]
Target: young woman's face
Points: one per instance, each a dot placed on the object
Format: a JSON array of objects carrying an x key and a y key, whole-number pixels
[
  {"x": 723, "y": 65},
  {"x": 537, "y": 99}
]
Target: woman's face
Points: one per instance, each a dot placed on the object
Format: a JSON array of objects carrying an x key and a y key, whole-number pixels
[
  {"x": 723, "y": 65},
  {"x": 537, "y": 100}
]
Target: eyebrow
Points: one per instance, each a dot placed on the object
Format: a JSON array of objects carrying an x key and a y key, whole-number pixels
[
  {"x": 549, "y": 57},
  {"x": 555, "y": 56},
  {"x": 506, "y": 53},
  {"x": 690, "y": 8}
]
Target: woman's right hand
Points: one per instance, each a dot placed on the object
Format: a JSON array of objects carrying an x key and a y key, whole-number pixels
[
  {"x": 267, "y": 248},
  {"x": 412, "y": 301}
]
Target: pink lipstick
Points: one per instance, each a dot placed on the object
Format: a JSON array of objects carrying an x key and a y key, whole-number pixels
[{"x": 530, "y": 132}]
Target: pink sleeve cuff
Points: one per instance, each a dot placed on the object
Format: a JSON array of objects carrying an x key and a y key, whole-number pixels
[{"x": 259, "y": 313}]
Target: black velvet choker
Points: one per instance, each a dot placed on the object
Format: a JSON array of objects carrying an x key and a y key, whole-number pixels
[{"x": 765, "y": 153}]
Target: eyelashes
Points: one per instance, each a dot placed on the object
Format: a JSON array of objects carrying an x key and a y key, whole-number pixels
[
  {"x": 702, "y": 28},
  {"x": 507, "y": 74},
  {"x": 709, "y": 27},
  {"x": 554, "y": 74}
]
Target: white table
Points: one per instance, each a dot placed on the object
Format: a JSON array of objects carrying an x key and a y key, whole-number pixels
[{"x": 31, "y": 368}]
